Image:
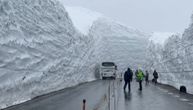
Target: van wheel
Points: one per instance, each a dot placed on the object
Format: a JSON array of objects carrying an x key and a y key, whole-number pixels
[{"x": 103, "y": 78}]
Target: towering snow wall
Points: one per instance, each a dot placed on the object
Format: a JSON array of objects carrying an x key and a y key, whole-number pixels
[
  {"x": 40, "y": 50},
  {"x": 174, "y": 59},
  {"x": 113, "y": 40},
  {"x": 125, "y": 46}
]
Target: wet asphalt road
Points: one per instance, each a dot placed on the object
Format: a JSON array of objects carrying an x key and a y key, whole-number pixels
[
  {"x": 153, "y": 98},
  {"x": 98, "y": 94},
  {"x": 70, "y": 99}
]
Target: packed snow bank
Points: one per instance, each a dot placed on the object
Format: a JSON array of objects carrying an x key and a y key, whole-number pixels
[
  {"x": 174, "y": 60},
  {"x": 41, "y": 51}
]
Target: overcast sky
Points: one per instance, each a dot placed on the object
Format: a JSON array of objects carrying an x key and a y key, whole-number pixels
[{"x": 145, "y": 15}]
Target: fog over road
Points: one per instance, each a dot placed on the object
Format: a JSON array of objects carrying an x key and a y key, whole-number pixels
[{"x": 105, "y": 94}]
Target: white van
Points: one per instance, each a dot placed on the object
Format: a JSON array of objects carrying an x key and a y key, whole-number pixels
[{"x": 108, "y": 70}]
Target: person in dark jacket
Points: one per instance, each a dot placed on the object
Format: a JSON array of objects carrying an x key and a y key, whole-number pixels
[
  {"x": 155, "y": 75},
  {"x": 147, "y": 77},
  {"x": 128, "y": 78}
]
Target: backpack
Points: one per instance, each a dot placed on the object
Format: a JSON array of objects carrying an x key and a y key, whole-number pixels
[
  {"x": 127, "y": 75},
  {"x": 155, "y": 74}
]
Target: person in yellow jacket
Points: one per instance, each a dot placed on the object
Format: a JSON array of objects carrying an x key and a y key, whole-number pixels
[{"x": 140, "y": 77}]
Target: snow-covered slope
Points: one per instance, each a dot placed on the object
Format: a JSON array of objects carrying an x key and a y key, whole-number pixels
[
  {"x": 174, "y": 60},
  {"x": 40, "y": 50}
]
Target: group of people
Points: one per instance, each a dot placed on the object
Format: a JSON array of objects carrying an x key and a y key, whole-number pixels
[{"x": 140, "y": 76}]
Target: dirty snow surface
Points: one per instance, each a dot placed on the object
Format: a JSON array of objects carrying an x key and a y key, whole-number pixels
[{"x": 43, "y": 50}]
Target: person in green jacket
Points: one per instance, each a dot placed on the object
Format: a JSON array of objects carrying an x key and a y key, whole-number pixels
[{"x": 140, "y": 77}]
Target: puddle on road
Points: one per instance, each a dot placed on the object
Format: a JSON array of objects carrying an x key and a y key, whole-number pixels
[
  {"x": 163, "y": 90},
  {"x": 177, "y": 96},
  {"x": 170, "y": 93},
  {"x": 184, "y": 100},
  {"x": 190, "y": 104}
]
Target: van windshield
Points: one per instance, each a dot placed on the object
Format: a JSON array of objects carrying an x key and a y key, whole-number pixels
[{"x": 108, "y": 64}]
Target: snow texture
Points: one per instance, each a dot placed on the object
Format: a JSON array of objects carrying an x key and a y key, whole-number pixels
[
  {"x": 40, "y": 50},
  {"x": 113, "y": 41},
  {"x": 160, "y": 37},
  {"x": 82, "y": 18},
  {"x": 174, "y": 60},
  {"x": 123, "y": 45},
  {"x": 43, "y": 49}
]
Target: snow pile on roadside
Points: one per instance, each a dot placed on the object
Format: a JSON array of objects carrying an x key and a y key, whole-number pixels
[
  {"x": 41, "y": 51},
  {"x": 174, "y": 60}
]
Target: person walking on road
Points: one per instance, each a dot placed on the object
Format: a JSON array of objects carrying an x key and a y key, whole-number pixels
[
  {"x": 128, "y": 78},
  {"x": 140, "y": 77},
  {"x": 147, "y": 77},
  {"x": 136, "y": 72},
  {"x": 155, "y": 75}
]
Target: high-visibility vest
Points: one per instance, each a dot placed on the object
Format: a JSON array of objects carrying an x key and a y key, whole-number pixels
[{"x": 140, "y": 75}]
